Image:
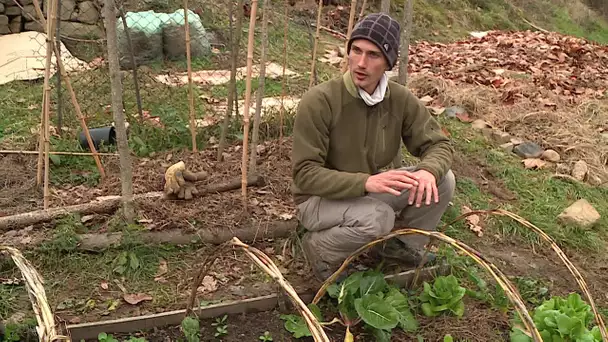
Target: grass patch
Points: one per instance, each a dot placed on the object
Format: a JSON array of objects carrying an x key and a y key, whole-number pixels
[{"x": 539, "y": 198}]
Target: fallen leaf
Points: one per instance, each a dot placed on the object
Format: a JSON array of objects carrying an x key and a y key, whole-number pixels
[
  {"x": 464, "y": 117},
  {"x": 534, "y": 163},
  {"x": 104, "y": 285},
  {"x": 445, "y": 131},
  {"x": 113, "y": 304},
  {"x": 286, "y": 216},
  {"x": 437, "y": 110},
  {"x": 209, "y": 284},
  {"x": 136, "y": 298},
  {"x": 473, "y": 221}
]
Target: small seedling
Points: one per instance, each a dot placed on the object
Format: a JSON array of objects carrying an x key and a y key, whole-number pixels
[
  {"x": 191, "y": 329},
  {"x": 103, "y": 337},
  {"x": 221, "y": 328},
  {"x": 266, "y": 337}
]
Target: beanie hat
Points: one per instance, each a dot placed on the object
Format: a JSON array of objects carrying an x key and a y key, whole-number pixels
[{"x": 382, "y": 30}]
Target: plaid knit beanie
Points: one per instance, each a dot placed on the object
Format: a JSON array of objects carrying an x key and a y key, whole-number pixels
[{"x": 382, "y": 30}]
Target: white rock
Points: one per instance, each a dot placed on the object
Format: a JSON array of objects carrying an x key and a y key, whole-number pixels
[
  {"x": 580, "y": 170},
  {"x": 551, "y": 155},
  {"x": 507, "y": 147},
  {"x": 580, "y": 213}
]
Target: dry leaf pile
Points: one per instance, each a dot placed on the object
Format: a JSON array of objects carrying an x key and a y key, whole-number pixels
[{"x": 567, "y": 66}]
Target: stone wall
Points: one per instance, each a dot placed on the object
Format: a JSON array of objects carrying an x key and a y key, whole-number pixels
[{"x": 80, "y": 19}]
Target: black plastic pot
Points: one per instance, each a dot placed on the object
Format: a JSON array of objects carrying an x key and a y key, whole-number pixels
[{"x": 101, "y": 135}]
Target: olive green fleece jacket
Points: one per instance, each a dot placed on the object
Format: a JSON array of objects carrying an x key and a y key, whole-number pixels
[{"x": 339, "y": 141}]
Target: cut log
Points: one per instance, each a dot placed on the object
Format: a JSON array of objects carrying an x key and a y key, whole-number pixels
[
  {"x": 107, "y": 204},
  {"x": 275, "y": 229}
]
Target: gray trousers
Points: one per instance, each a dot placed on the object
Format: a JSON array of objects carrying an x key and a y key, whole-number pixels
[{"x": 339, "y": 227}]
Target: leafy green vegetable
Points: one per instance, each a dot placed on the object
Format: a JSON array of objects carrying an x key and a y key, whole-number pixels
[
  {"x": 296, "y": 324},
  {"x": 375, "y": 311},
  {"x": 444, "y": 295},
  {"x": 560, "y": 320}
]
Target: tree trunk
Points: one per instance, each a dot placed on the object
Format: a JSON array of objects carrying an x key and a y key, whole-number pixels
[
  {"x": 260, "y": 92},
  {"x": 385, "y": 6},
  {"x": 126, "y": 174},
  {"x": 235, "y": 40},
  {"x": 406, "y": 34}
]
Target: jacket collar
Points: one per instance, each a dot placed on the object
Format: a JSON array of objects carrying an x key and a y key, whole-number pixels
[{"x": 352, "y": 88}]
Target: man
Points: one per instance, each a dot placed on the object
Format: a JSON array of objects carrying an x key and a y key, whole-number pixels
[{"x": 348, "y": 129}]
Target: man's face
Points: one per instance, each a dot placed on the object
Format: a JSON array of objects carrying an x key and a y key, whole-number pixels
[{"x": 367, "y": 64}]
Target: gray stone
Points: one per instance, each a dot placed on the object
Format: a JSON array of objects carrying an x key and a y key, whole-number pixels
[
  {"x": 451, "y": 112},
  {"x": 4, "y": 25},
  {"x": 580, "y": 213},
  {"x": 146, "y": 48},
  {"x": 80, "y": 30},
  {"x": 12, "y": 10},
  {"x": 34, "y": 26},
  {"x": 67, "y": 8},
  {"x": 487, "y": 132},
  {"x": 528, "y": 150},
  {"x": 29, "y": 13},
  {"x": 551, "y": 155},
  {"x": 87, "y": 13},
  {"x": 16, "y": 25},
  {"x": 580, "y": 170},
  {"x": 1, "y": 7}
]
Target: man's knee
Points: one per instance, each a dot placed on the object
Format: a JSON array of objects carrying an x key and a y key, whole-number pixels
[
  {"x": 447, "y": 186},
  {"x": 376, "y": 220}
]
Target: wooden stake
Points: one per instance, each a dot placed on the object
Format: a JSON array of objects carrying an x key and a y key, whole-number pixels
[
  {"x": 351, "y": 22},
  {"x": 284, "y": 83},
  {"x": 314, "y": 49},
  {"x": 363, "y": 5},
  {"x": 190, "y": 86},
  {"x": 252, "y": 17},
  {"x": 41, "y": 134},
  {"x": 50, "y": 30},
  {"x": 407, "y": 23}
]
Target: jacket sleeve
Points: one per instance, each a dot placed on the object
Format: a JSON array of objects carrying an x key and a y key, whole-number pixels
[
  {"x": 310, "y": 146},
  {"x": 424, "y": 139}
]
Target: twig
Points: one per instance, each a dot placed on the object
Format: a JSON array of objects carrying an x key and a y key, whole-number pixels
[
  {"x": 207, "y": 264},
  {"x": 268, "y": 266},
  {"x": 363, "y": 5},
  {"x": 35, "y": 289},
  {"x": 334, "y": 32},
  {"x": 251, "y": 39},
  {"x": 500, "y": 278},
  {"x": 536, "y": 27},
  {"x": 313, "y": 71},
  {"x": 58, "y": 153}
]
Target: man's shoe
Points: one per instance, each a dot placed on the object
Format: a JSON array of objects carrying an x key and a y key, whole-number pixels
[{"x": 396, "y": 250}]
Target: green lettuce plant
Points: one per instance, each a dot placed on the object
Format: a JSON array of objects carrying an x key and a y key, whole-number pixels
[{"x": 445, "y": 295}]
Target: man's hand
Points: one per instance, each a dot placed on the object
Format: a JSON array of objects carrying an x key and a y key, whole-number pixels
[
  {"x": 392, "y": 181},
  {"x": 427, "y": 188}
]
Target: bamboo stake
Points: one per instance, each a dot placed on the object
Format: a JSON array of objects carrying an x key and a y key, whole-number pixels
[
  {"x": 50, "y": 28},
  {"x": 260, "y": 91},
  {"x": 351, "y": 22},
  {"x": 57, "y": 153},
  {"x": 268, "y": 266},
  {"x": 252, "y": 17},
  {"x": 40, "y": 144},
  {"x": 46, "y": 329},
  {"x": 500, "y": 278},
  {"x": 284, "y": 83},
  {"x": 190, "y": 85},
  {"x": 314, "y": 48},
  {"x": 83, "y": 123}
]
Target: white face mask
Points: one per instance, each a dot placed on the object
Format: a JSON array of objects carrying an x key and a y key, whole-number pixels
[{"x": 378, "y": 94}]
